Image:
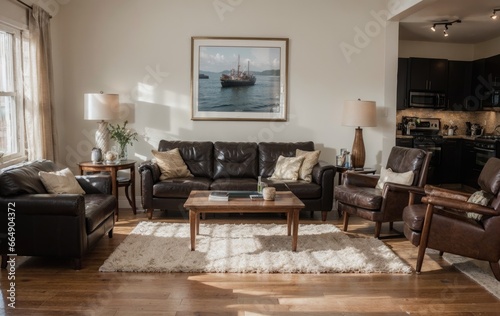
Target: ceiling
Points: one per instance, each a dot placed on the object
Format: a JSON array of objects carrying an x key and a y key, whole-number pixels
[{"x": 476, "y": 26}]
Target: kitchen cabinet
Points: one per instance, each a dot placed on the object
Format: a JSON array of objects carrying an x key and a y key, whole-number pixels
[
  {"x": 450, "y": 164},
  {"x": 469, "y": 176},
  {"x": 428, "y": 74},
  {"x": 402, "y": 89},
  {"x": 459, "y": 85}
]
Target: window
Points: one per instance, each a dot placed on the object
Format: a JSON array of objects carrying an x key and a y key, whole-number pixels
[{"x": 11, "y": 114}]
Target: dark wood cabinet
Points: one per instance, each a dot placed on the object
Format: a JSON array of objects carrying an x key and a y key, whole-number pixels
[
  {"x": 468, "y": 174},
  {"x": 402, "y": 89},
  {"x": 428, "y": 74},
  {"x": 459, "y": 85},
  {"x": 450, "y": 164}
]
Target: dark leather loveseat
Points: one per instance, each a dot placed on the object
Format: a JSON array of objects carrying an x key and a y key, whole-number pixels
[
  {"x": 233, "y": 166},
  {"x": 59, "y": 225}
]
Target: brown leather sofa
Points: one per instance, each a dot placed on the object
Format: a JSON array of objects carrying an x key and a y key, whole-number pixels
[
  {"x": 58, "y": 225},
  {"x": 441, "y": 222},
  {"x": 233, "y": 166}
]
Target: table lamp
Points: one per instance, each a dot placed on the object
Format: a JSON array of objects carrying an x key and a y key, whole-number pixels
[
  {"x": 101, "y": 107},
  {"x": 360, "y": 114}
]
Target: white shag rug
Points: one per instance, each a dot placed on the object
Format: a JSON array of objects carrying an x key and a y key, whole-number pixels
[
  {"x": 477, "y": 270},
  {"x": 250, "y": 248}
]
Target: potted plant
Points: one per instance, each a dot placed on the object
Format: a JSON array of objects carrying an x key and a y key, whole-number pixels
[{"x": 123, "y": 136}]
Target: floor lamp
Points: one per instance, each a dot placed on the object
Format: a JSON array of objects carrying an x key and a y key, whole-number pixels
[
  {"x": 360, "y": 114},
  {"x": 101, "y": 107}
]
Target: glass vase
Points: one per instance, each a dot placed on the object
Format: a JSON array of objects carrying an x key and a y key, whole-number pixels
[{"x": 122, "y": 154}]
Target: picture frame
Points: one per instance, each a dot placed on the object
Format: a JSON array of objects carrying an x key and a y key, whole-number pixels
[{"x": 239, "y": 78}]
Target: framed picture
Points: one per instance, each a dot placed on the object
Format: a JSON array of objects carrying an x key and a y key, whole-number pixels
[{"x": 239, "y": 79}]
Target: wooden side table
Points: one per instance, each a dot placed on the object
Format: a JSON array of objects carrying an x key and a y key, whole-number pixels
[{"x": 89, "y": 166}]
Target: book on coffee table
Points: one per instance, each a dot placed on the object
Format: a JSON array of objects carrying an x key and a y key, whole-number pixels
[{"x": 226, "y": 195}]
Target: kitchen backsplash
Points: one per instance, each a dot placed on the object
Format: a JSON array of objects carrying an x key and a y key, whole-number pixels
[{"x": 488, "y": 119}]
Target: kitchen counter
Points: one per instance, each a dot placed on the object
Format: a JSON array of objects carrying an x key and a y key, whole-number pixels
[{"x": 444, "y": 136}]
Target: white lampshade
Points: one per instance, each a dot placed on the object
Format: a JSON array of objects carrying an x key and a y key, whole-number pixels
[
  {"x": 359, "y": 113},
  {"x": 101, "y": 107}
]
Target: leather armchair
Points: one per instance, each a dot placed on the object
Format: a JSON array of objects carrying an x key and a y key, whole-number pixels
[
  {"x": 442, "y": 224},
  {"x": 359, "y": 196}
]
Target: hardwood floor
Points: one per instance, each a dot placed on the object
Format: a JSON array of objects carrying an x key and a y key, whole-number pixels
[{"x": 50, "y": 287}]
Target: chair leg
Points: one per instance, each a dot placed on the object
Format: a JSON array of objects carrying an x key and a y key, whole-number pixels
[
  {"x": 495, "y": 267},
  {"x": 150, "y": 213},
  {"x": 391, "y": 225},
  {"x": 77, "y": 263},
  {"x": 110, "y": 234},
  {"x": 346, "y": 220},
  {"x": 323, "y": 215},
  {"x": 441, "y": 253},
  {"x": 378, "y": 229},
  {"x": 424, "y": 237}
]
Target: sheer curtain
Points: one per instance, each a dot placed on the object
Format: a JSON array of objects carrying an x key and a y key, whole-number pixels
[{"x": 38, "y": 84}]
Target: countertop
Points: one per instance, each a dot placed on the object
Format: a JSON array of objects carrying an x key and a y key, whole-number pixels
[{"x": 444, "y": 136}]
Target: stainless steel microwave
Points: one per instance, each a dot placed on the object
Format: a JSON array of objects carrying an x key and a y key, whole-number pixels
[{"x": 427, "y": 99}]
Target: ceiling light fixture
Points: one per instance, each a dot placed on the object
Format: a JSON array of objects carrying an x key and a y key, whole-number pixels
[
  {"x": 494, "y": 15},
  {"x": 446, "y": 24}
]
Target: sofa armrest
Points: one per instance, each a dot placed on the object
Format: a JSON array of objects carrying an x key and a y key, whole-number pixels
[
  {"x": 45, "y": 204},
  {"x": 446, "y": 193},
  {"x": 95, "y": 184},
  {"x": 360, "y": 180},
  {"x": 319, "y": 169},
  {"x": 152, "y": 167},
  {"x": 460, "y": 206}
]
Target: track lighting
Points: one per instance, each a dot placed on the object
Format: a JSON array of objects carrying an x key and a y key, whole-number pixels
[
  {"x": 494, "y": 15},
  {"x": 446, "y": 24}
]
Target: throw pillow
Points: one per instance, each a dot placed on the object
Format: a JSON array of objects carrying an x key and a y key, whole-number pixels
[
  {"x": 387, "y": 175},
  {"x": 171, "y": 164},
  {"x": 479, "y": 197},
  {"x": 287, "y": 168},
  {"x": 60, "y": 182},
  {"x": 310, "y": 160}
]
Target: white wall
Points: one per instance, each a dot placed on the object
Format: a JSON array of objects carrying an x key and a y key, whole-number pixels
[{"x": 115, "y": 45}]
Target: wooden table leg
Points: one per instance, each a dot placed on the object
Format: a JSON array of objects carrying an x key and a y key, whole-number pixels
[
  {"x": 192, "y": 228},
  {"x": 289, "y": 222},
  {"x": 132, "y": 178},
  {"x": 114, "y": 189},
  {"x": 295, "y": 228}
]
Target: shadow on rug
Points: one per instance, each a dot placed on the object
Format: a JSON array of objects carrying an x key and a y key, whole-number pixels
[{"x": 250, "y": 248}]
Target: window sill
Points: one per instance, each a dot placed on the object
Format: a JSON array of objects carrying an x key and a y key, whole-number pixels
[{"x": 9, "y": 161}]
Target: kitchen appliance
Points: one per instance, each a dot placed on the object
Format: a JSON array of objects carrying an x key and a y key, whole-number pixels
[
  {"x": 485, "y": 147},
  {"x": 427, "y": 99},
  {"x": 426, "y": 136}
]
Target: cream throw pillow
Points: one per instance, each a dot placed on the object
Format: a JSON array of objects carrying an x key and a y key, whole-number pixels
[
  {"x": 60, "y": 182},
  {"x": 387, "y": 175},
  {"x": 171, "y": 164},
  {"x": 310, "y": 160},
  {"x": 479, "y": 197},
  {"x": 287, "y": 168}
]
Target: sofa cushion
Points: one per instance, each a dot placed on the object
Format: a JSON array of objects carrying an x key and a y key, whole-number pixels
[
  {"x": 180, "y": 187},
  {"x": 234, "y": 184},
  {"x": 23, "y": 178},
  {"x": 364, "y": 197},
  {"x": 302, "y": 189},
  {"x": 387, "y": 175},
  {"x": 171, "y": 164},
  {"x": 269, "y": 153},
  {"x": 310, "y": 160},
  {"x": 97, "y": 208},
  {"x": 287, "y": 168},
  {"x": 198, "y": 156},
  {"x": 235, "y": 160},
  {"x": 60, "y": 182}
]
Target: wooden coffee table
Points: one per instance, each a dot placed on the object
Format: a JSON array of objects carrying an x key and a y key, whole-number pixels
[{"x": 285, "y": 202}]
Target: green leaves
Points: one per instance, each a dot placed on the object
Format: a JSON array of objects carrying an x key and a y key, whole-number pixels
[{"x": 121, "y": 134}]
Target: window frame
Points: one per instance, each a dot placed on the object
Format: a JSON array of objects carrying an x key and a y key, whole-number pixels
[{"x": 18, "y": 94}]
